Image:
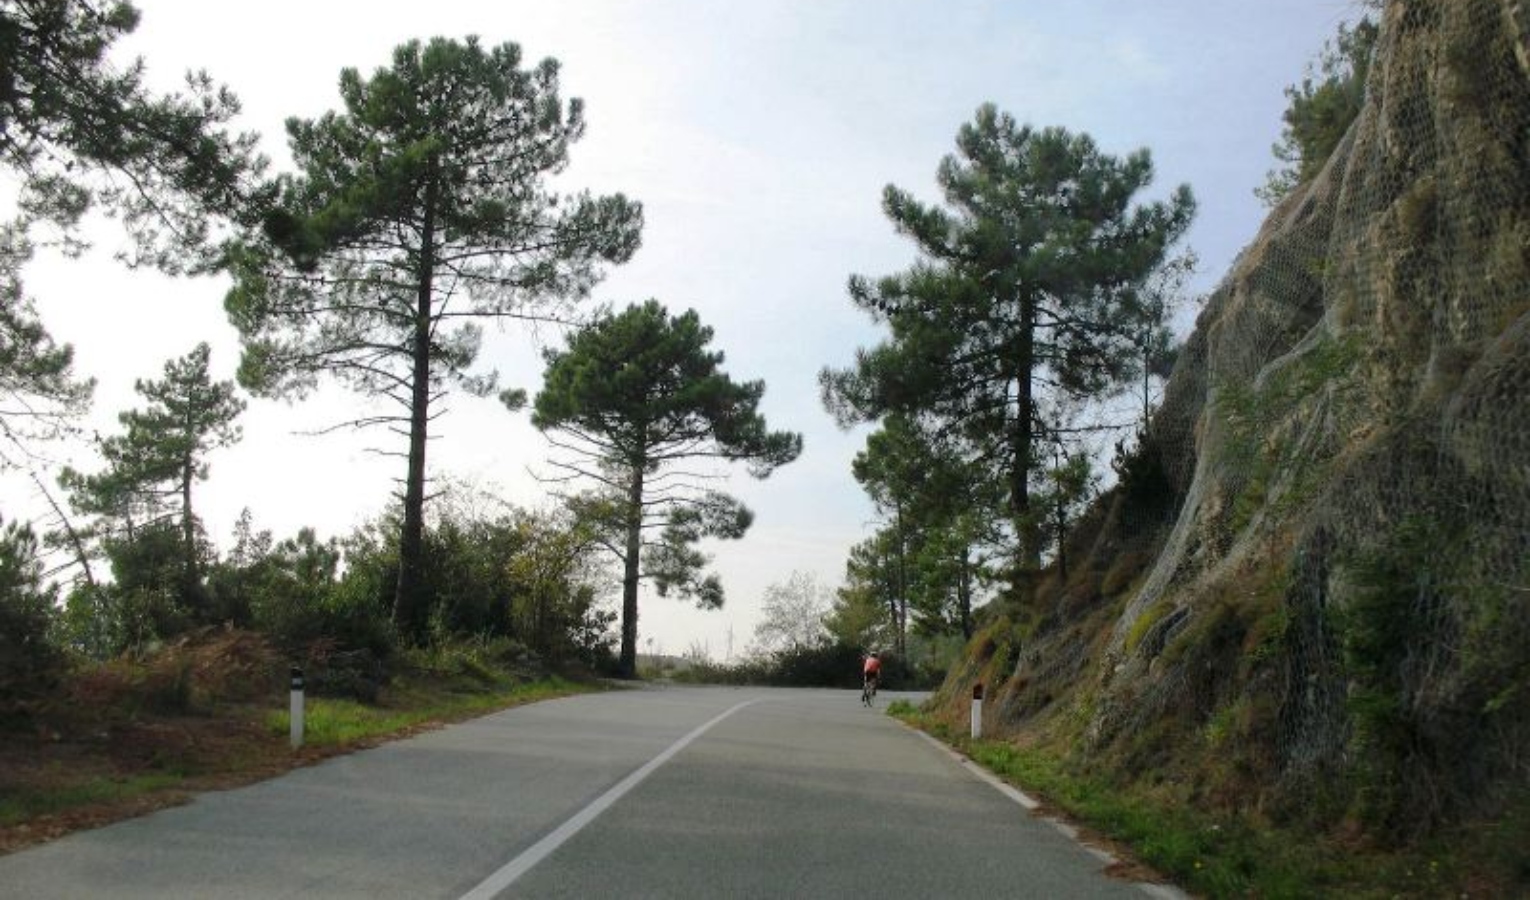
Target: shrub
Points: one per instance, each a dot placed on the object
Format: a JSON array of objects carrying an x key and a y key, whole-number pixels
[
  {"x": 1322, "y": 108},
  {"x": 817, "y": 665},
  {"x": 292, "y": 591},
  {"x": 197, "y": 671},
  {"x": 1147, "y": 492},
  {"x": 28, "y": 659},
  {"x": 1436, "y": 654}
]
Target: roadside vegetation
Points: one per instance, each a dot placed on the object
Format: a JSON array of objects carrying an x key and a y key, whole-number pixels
[
  {"x": 124, "y": 693},
  {"x": 1242, "y": 856},
  {"x": 209, "y": 710},
  {"x": 832, "y": 665}
]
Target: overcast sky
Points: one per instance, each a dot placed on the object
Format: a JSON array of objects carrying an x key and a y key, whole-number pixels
[{"x": 758, "y": 136}]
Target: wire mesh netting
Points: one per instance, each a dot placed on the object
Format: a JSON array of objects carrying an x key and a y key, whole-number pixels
[{"x": 1349, "y": 431}]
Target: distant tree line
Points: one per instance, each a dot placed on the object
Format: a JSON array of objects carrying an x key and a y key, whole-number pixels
[{"x": 811, "y": 636}]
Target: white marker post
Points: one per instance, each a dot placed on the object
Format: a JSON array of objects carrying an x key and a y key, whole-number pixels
[
  {"x": 977, "y": 710},
  {"x": 296, "y": 711}
]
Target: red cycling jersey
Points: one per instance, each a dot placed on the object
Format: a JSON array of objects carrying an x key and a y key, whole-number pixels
[{"x": 873, "y": 666}]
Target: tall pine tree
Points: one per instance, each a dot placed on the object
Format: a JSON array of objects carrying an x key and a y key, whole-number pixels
[
  {"x": 419, "y": 212},
  {"x": 1025, "y": 299},
  {"x": 632, "y": 398}
]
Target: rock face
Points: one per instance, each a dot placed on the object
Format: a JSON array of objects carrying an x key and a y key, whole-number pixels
[{"x": 1346, "y": 585}]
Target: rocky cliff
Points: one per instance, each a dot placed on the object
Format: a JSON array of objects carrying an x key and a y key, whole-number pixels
[{"x": 1314, "y": 582}]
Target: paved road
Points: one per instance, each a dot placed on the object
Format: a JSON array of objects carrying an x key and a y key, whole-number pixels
[{"x": 672, "y": 792}]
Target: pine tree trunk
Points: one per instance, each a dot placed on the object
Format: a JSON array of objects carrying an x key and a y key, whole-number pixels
[
  {"x": 1062, "y": 536},
  {"x": 409, "y": 613},
  {"x": 76, "y": 543},
  {"x": 964, "y": 593},
  {"x": 902, "y": 622},
  {"x": 190, "y": 588},
  {"x": 631, "y": 573},
  {"x": 1027, "y": 530}
]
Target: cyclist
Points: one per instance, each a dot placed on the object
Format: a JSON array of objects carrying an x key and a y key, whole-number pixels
[{"x": 871, "y": 672}]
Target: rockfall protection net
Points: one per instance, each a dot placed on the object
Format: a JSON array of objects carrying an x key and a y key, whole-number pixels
[{"x": 1355, "y": 405}]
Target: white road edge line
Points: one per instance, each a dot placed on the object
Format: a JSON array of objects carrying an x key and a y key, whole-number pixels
[
  {"x": 981, "y": 773},
  {"x": 1160, "y": 891},
  {"x": 515, "y": 868}
]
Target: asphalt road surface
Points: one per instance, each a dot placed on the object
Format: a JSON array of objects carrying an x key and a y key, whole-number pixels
[{"x": 663, "y": 792}]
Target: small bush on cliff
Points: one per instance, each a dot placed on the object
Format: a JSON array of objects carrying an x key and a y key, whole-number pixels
[{"x": 1322, "y": 108}]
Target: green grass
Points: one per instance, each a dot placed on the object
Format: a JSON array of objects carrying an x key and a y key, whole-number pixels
[
  {"x": 1145, "y": 622},
  {"x": 24, "y": 805},
  {"x": 1228, "y": 857},
  {"x": 1251, "y": 413},
  {"x": 332, "y": 722},
  {"x": 1220, "y": 859},
  {"x": 60, "y": 788}
]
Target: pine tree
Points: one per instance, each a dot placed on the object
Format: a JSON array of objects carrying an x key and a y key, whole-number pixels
[
  {"x": 152, "y": 466},
  {"x": 420, "y": 211},
  {"x": 632, "y": 397},
  {"x": 28, "y": 659},
  {"x": 40, "y": 395},
  {"x": 82, "y": 134},
  {"x": 943, "y": 513},
  {"x": 1026, "y": 299},
  {"x": 78, "y": 133}
]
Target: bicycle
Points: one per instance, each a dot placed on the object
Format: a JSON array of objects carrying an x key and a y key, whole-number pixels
[{"x": 868, "y": 690}]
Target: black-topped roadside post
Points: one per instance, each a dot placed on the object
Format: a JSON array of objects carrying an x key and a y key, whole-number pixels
[
  {"x": 296, "y": 713},
  {"x": 977, "y": 710}
]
